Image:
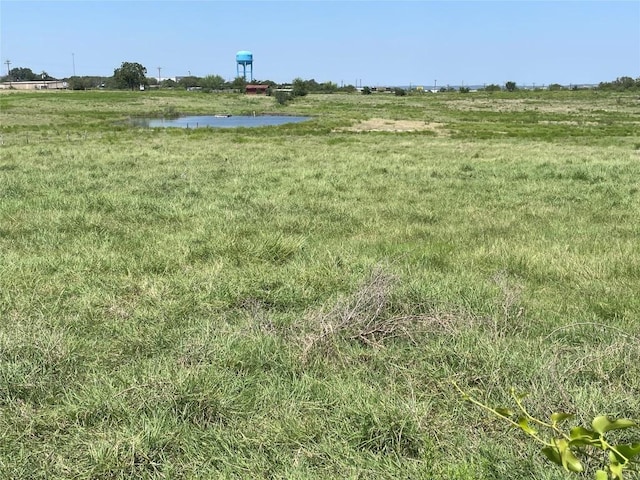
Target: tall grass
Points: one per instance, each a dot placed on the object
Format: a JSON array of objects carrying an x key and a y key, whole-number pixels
[{"x": 293, "y": 302}]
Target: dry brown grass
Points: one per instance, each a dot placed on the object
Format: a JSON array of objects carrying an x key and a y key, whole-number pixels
[{"x": 368, "y": 316}]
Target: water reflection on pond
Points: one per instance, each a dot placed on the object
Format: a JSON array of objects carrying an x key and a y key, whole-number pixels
[{"x": 218, "y": 121}]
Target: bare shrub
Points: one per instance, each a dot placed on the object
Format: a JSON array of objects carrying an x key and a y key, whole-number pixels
[{"x": 368, "y": 317}]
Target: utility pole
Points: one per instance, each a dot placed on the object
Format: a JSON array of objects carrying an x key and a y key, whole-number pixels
[
  {"x": 435, "y": 86},
  {"x": 159, "y": 77}
]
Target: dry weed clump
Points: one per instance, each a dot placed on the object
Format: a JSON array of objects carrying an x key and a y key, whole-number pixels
[{"x": 368, "y": 317}]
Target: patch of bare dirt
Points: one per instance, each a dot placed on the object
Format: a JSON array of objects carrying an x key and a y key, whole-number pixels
[
  {"x": 386, "y": 125},
  {"x": 567, "y": 122}
]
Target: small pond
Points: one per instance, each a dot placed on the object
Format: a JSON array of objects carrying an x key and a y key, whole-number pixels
[{"x": 218, "y": 121}]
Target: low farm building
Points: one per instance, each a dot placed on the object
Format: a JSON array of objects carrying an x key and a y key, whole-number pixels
[
  {"x": 34, "y": 85},
  {"x": 253, "y": 89}
]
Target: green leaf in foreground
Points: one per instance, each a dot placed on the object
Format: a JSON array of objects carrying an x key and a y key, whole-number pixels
[
  {"x": 524, "y": 425},
  {"x": 569, "y": 460},
  {"x": 602, "y": 424},
  {"x": 505, "y": 412},
  {"x": 584, "y": 436},
  {"x": 559, "y": 417},
  {"x": 616, "y": 471},
  {"x": 561, "y": 454},
  {"x": 563, "y": 448},
  {"x": 552, "y": 454},
  {"x": 628, "y": 451}
]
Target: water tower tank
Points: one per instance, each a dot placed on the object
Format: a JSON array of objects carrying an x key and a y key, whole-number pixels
[{"x": 244, "y": 58}]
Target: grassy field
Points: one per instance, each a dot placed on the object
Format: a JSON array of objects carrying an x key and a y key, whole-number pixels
[{"x": 295, "y": 301}]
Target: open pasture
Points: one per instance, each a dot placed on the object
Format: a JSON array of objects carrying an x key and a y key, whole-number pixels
[{"x": 294, "y": 301}]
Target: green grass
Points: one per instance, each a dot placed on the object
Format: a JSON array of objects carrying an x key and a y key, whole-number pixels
[{"x": 294, "y": 301}]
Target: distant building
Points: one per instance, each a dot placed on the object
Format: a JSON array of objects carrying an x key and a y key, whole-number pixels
[
  {"x": 253, "y": 89},
  {"x": 382, "y": 89},
  {"x": 34, "y": 85}
]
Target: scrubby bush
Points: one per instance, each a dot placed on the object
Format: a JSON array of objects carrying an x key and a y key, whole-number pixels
[
  {"x": 299, "y": 88},
  {"x": 492, "y": 88},
  {"x": 282, "y": 97}
]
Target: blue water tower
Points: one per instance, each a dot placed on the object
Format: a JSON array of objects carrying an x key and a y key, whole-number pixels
[{"x": 245, "y": 59}]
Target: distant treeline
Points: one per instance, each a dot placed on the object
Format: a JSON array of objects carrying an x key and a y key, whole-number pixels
[
  {"x": 218, "y": 83},
  {"x": 621, "y": 83}
]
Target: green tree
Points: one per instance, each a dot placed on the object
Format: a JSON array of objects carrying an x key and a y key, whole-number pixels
[
  {"x": 189, "y": 82},
  {"x": 400, "y": 92},
  {"x": 168, "y": 83},
  {"x": 299, "y": 87},
  {"x": 366, "y": 91},
  {"x": 239, "y": 84},
  {"x": 328, "y": 87},
  {"x": 21, "y": 74},
  {"x": 84, "y": 83},
  {"x": 510, "y": 86},
  {"x": 213, "y": 82},
  {"x": 311, "y": 85},
  {"x": 130, "y": 75}
]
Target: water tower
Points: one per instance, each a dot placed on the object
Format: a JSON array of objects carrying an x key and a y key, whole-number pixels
[{"x": 245, "y": 59}]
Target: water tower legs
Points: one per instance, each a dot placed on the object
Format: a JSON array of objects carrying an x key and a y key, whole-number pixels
[{"x": 244, "y": 71}]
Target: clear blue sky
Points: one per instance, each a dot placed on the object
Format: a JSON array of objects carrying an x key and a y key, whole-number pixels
[{"x": 372, "y": 42}]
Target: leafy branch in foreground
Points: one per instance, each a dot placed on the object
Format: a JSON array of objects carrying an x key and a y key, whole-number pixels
[{"x": 564, "y": 447}]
